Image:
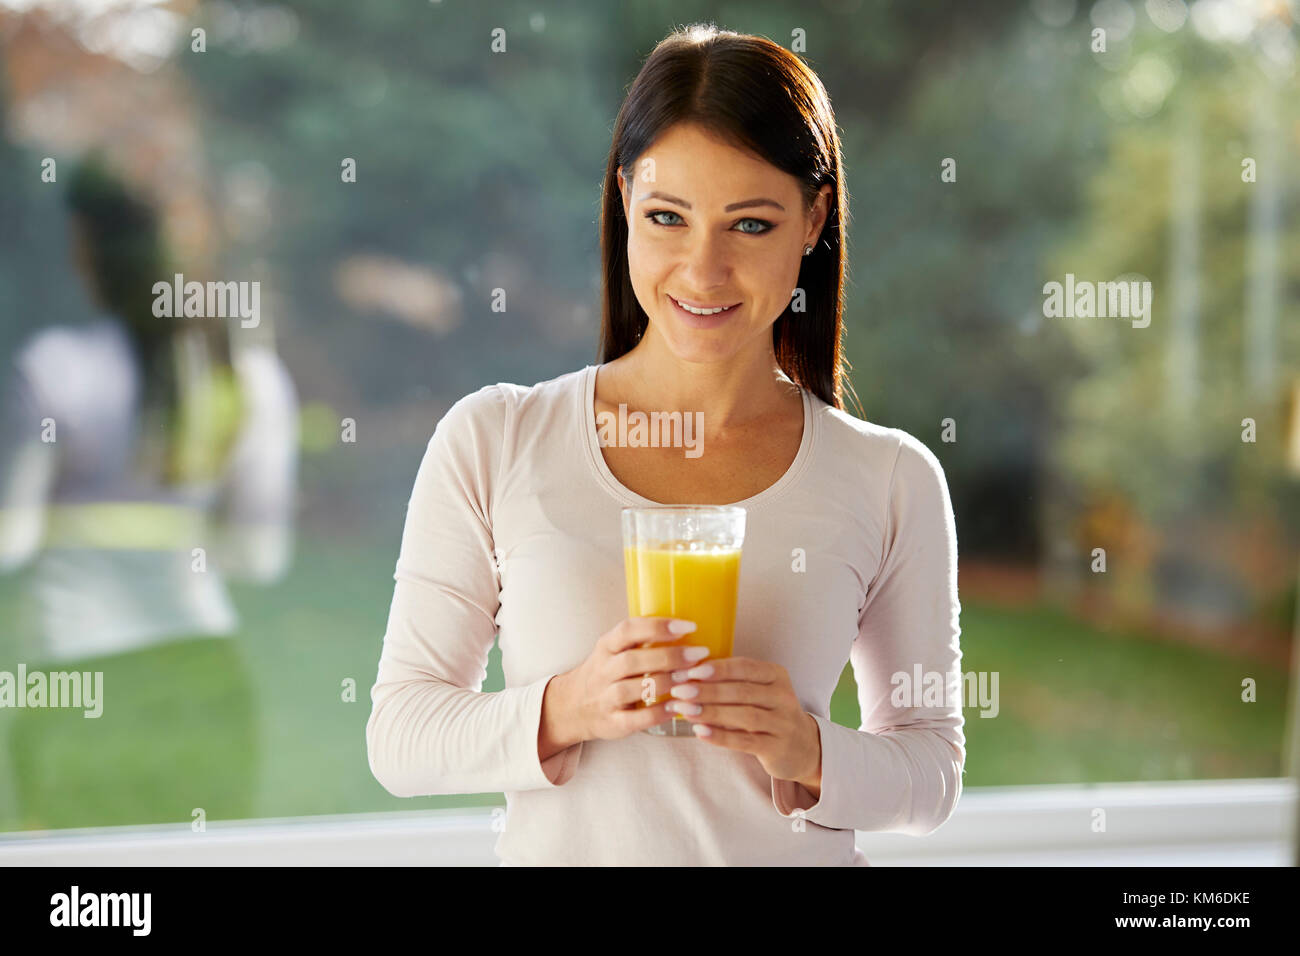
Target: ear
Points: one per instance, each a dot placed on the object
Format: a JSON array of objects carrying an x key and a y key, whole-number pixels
[{"x": 820, "y": 212}]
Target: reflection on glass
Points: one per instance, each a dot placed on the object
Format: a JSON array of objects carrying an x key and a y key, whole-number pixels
[{"x": 143, "y": 463}]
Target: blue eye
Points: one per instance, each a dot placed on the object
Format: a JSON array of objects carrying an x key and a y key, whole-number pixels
[
  {"x": 766, "y": 226},
  {"x": 660, "y": 212}
]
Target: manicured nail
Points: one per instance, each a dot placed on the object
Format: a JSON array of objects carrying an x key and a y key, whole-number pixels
[
  {"x": 698, "y": 673},
  {"x": 682, "y": 707},
  {"x": 696, "y": 653},
  {"x": 702, "y": 730},
  {"x": 679, "y": 676},
  {"x": 681, "y": 627},
  {"x": 685, "y": 691}
]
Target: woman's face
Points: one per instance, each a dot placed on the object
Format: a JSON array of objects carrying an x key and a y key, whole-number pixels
[{"x": 711, "y": 226}]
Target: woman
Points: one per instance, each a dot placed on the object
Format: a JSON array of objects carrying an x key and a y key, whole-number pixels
[
  {"x": 140, "y": 464},
  {"x": 723, "y": 193}
]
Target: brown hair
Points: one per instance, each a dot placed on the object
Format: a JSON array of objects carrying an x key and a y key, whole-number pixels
[
  {"x": 184, "y": 436},
  {"x": 761, "y": 98}
]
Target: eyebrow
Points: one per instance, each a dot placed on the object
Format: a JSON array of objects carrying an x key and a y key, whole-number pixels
[{"x": 746, "y": 204}]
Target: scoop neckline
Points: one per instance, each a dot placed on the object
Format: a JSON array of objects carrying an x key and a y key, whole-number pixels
[{"x": 587, "y": 420}]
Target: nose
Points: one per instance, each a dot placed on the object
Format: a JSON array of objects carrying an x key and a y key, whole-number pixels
[{"x": 707, "y": 264}]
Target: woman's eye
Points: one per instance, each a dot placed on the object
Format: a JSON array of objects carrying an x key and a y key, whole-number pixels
[
  {"x": 762, "y": 224},
  {"x": 661, "y": 212}
]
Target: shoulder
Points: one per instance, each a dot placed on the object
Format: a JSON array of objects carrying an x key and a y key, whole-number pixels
[
  {"x": 492, "y": 428},
  {"x": 879, "y": 443},
  {"x": 890, "y": 455},
  {"x": 51, "y": 349},
  {"x": 916, "y": 461},
  {"x": 505, "y": 407},
  {"x": 68, "y": 362}
]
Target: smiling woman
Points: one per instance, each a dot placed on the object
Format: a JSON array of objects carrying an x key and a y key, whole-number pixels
[
  {"x": 724, "y": 188},
  {"x": 717, "y": 270},
  {"x": 722, "y": 239}
]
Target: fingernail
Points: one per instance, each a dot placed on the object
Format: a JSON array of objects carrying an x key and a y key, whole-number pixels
[
  {"x": 704, "y": 670},
  {"x": 682, "y": 707},
  {"x": 679, "y": 676},
  {"x": 685, "y": 691},
  {"x": 696, "y": 653},
  {"x": 702, "y": 730},
  {"x": 681, "y": 627}
]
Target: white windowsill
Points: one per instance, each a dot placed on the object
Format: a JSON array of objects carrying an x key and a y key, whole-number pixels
[{"x": 1194, "y": 822}]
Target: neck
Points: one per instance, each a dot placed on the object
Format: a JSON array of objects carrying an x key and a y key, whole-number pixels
[{"x": 730, "y": 393}]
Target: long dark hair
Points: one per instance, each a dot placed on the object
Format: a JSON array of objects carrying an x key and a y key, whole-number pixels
[
  {"x": 186, "y": 433},
  {"x": 759, "y": 97}
]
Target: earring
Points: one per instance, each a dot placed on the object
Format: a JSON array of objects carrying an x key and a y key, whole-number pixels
[{"x": 807, "y": 250}]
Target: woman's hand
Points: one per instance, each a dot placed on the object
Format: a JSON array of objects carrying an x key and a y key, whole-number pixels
[
  {"x": 750, "y": 705},
  {"x": 602, "y": 696}
]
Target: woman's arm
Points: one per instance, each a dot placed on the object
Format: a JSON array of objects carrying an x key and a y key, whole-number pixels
[
  {"x": 256, "y": 517},
  {"x": 901, "y": 771},
  {"x": 431, "y": 730},
  {"x": 27, "y": 467},
  {"x": 556, "y": 731}
]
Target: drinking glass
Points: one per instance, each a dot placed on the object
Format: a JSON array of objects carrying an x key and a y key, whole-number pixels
[{"x": 683, "y": 561}]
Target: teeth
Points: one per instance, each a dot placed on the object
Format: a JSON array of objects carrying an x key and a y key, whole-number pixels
[{"x": 695, "y": 311}]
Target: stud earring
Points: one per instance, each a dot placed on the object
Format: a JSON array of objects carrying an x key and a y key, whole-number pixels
[{"x": 807, "y": 250}]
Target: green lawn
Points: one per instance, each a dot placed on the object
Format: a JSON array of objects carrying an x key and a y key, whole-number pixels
[{"x": 1075, "y": 705}]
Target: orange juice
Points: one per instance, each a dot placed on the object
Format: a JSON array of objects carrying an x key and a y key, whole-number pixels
[{"x": 697, "y": 586}]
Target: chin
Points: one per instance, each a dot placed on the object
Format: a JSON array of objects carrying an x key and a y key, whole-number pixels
[{"x": 691, "y": 345}]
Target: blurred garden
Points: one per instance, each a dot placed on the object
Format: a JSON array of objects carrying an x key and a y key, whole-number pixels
[{"x": 1127, "y": 498}]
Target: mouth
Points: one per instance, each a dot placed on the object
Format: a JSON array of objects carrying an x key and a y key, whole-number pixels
[{"x": 702, "y": 313}]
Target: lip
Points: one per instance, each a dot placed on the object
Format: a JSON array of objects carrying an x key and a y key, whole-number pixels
[{"x": 702, "y": 321}]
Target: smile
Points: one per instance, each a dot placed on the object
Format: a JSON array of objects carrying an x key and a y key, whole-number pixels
[{"x": 703, "y": 310}]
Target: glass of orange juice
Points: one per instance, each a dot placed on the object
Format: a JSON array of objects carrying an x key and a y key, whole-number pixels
[{"x": 683, "y": 561}]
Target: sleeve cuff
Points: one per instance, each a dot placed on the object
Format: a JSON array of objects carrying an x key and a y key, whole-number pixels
[
  {"x": 559, "y": 768},
  {"x": 791, "y": 798}
]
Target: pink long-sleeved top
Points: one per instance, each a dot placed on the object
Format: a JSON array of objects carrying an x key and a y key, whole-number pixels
[{"x": 512, "y": 532}]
